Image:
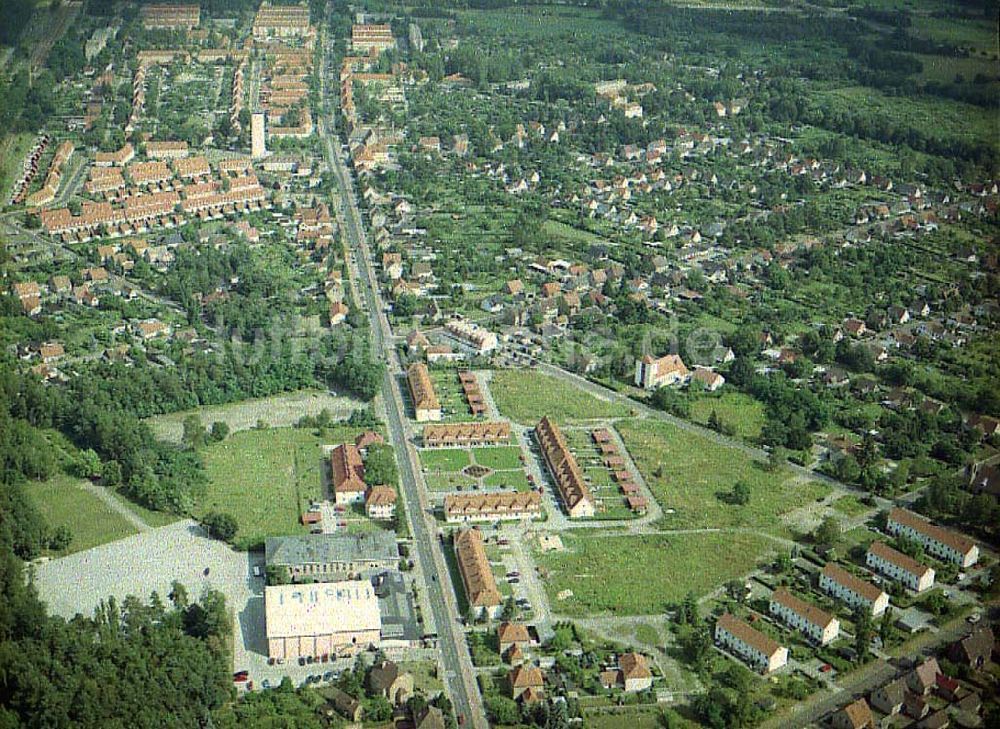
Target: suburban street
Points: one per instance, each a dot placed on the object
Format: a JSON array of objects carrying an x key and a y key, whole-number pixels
[{"x": 459, "y": 676}]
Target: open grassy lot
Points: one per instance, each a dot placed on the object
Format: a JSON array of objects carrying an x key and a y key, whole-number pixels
[
  {"x": 516, "y": 480},
  {"x": 265, "y": 478},
  {"x": 62, "y": 503},
  {"x": 445, "y": 459},
  {"x": 849, "y": 506},
  {"x": 448, "y": 482},
  {"x": 13, "y": 148},
  {"x": 694, "y": 476},
  {"x": 527, "y": 395},
  {"x": 605, "y": 571},
  {"x": 506, "y": 458},
  {"x": 734, "y": 409}
]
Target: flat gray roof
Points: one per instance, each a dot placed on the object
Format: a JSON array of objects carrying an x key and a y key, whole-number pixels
[{"x": 377, "y": 546}]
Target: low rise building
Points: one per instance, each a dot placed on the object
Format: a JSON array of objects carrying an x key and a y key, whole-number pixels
[
  {"x": 380, "y": 502},
  {"x": 763, "y": 653},
  {"x": 454, "y": 435},
  {"x": 564, "y": 469},
  {"x": 481, "y": 340},
  {"x": 856, "y": 715},
  {"x": 841, "y": 584},
  {"x": 653, "y": 373},
  {"x": 347, "y": 472},
  {"x": 426, "y": 405},
  {"x": 818, "y": 625},
  {"x": 459, "y": 508},
  {"x": 900, "y": 567},
  {"x": 631, "y": 675},
  {"x": 331, "y": 557},
  {"x": 477, "y": 575},
  {"x": 332, "y": 618},
  {"x": 939, "y": 542}
]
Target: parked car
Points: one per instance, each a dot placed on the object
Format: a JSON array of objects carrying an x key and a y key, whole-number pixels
[
  {"x": 256, "y": 570},
  {"x": 825, "y": 668}
]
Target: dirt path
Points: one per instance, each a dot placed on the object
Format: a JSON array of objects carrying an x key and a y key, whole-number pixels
[
  {"x": 276, "y": 411},
  {"x": 115, "y": 505}
]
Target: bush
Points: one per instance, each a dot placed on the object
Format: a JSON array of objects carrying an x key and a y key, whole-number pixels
[{"x": 220, "y": 525}]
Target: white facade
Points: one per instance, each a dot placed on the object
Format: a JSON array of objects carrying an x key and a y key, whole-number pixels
[
  {"x": 818, "y": 625},
  {"x": 758, "y": 650},
  {"x": 940, "y": 543},
  {"x": 853, "y": 590},
  {"x": 917, "y": 578}
]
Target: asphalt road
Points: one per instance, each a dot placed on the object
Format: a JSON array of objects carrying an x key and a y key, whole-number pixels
[{"x": 458, "y": 676}]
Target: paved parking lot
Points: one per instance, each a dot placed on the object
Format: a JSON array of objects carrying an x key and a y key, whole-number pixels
[{"x": 142, "y": 564}]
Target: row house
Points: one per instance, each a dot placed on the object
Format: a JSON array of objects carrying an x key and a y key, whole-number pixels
[
  {"x": 841, "y": 584},
  {"x": 941, "y": 543},
  {"x": 515, "y": 506},
  {"x": 453, "y": 435},
  {"x": 818, "y": 625},
  {"x": 425, "y": 401},
  {"x": 900, "y": 567},
  {"x": 477, "y": 574},
  {"x": 564, "y": 469},
  {"x": 762, "y": 652}
]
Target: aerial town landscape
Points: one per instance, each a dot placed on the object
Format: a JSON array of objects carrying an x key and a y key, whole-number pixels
[{"x": 480, "y": 363}]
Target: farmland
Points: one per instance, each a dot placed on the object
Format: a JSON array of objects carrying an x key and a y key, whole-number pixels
[{"x": 605, "y": 571}]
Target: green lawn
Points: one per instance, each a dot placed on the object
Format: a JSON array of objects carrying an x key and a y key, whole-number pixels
[
  {"x": 499, "y": 459},
  {"x": 734, "y": 409},
  {"x": 448, "y": 482},
  {"x": 265, "y": 478},
  {"x": 515, "y": 480},
  {"x": 640, "y": 575},
  {"x": 444, "y": 459},
  {"x": 62, "y": 502},
  {"x": 648, "y": 634},
  {"x": 527, "y": 395},
  {"x": 693, "y": 475}
]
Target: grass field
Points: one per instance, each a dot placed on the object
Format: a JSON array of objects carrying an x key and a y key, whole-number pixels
[
  {"x": 527, "y": 395},
  {"x": 13, "y": 149},
  {"x": 448, "y": 482},
  {"x": 605, "y": 572},
  {"x": 735, "y": 409},
  {"x": 62, "y": 502},
  {"x": 849, "y": 506},
  {"x": 506, "y": 458},
  {"x": 444, "y": 459},
  {"x": 693, "y": 475},
  {"x": 265, "y": 478}
]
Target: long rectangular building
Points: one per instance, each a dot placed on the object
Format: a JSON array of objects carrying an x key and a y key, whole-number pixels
[
  {"x": 762, "y": 652},
  {"x": 565, "y": 471},
  {"x": 818, "y": 625},
  {"x": 900, "y": 567},
  {"x": 331, "y": 557},
  {"x": 455, "y": 435},
  {"x": 426, "y": 405},
  {"x": 492, "y": 507},
  {"x": 332, "y": 618},
  {"x": 939, "y": 542},
  {"x": 477, "y": 575},
  {"x": 841, "y": 584}
]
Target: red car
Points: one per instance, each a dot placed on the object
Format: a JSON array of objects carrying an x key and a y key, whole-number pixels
[
  {"x": 825, "y": 668},
  {"x": 241, "y": 677}
]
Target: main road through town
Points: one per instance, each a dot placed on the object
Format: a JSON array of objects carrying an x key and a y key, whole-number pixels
[{"x": 455, "y": 656}]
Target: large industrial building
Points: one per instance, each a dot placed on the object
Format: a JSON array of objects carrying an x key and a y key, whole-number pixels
[{"x": 331, "y": 618}]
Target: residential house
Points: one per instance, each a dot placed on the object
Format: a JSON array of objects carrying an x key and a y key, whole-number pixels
[
  {"x": 477, "y": 574},
  {"x": 347, "y": 472},
  {"x": 974, "y": 649},
  {"x": 856, "y": 715},
  {"x": 490, "y": 507},
  {"x": 452, "y": 435},
  {"x": 711, "y": 380},
  {"x": 900, "y": 567},
  {"x": 942, "y": 543},
  {"x": 526, "y": 679},
  {"x": 385, "y": 679},
  {"x": 512, "y": 635},
  {"x": 380, "y": 502},
  {"x": 429, "y": 717},
  {"x": 425, "y": 402},
  {"x": 565, "y": 471},
  {"x": 763, "y": 653},
  {"x": 841, "y": 584},
  {"x": 923, "y": 678},
  {"x": 818, "y": 625}
]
